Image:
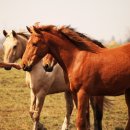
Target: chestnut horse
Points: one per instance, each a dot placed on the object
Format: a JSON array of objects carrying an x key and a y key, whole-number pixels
[
  {"x": 37, "y": 79},
  {"x": 90, "y": 69}
]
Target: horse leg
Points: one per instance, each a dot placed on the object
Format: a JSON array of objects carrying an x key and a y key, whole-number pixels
[
  {"x": 97, "y": 106},
  {"x": 39, "y": 104},
  {"x": 83, "y": 100},
  {"x": 69, "y": 109},
  {"x": 87, "y": 116},
  {"x": 127, "y": 98},
  {"x": 75, "y": 99},
  {"x": 33, "y": 103},
  {"x": 87, "y": 111}
]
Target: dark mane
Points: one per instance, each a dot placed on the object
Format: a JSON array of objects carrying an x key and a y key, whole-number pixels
[
  {"x": 79, "y": 39},
  {"x": 74, "y": 37},
  {"x": 47, "y": 28},
  {"x": 66, "y": 29},
  {"x": 23, "y": 35}
]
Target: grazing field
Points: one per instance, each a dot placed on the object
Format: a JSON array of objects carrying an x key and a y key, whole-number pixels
[{"x": 15, "y": 101}]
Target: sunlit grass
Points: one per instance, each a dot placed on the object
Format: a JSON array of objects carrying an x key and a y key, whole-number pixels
[{"x": 15, "y": 101}]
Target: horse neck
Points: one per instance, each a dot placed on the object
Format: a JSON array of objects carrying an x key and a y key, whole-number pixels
[{"x": 63, "y": 51}]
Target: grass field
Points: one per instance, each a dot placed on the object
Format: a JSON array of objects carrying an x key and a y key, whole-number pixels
[{"x": 15, "y": 101}]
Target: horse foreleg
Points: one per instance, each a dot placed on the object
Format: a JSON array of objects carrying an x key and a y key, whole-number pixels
[
  {"x": 75, "y": 99},
  {"x": 39, "y": 104},
  {"x": 33, "y": 103},
  {"x": 97, "y": 106},
  {"x": 88, "y": 116},
  {"x": 69, "y": 109},
  {"x": 83, "y": 100},
  {"x": 127, "y": 98}
]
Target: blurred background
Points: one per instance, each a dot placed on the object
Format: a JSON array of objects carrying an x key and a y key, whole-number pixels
[{"x": 104, "y": 20}]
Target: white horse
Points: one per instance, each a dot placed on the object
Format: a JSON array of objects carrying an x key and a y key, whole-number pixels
[
  {"x": 43, "y": 83},
  {"x": 40, "y": 81}
]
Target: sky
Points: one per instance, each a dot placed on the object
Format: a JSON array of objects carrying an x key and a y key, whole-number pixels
[{"x": 100, "y": 19}]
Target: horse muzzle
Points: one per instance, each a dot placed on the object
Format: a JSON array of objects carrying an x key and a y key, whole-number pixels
[
  {"x": 7, "y": 68},
  {"x": 26, "y": 68},
  {"x": 47, "y": 68}
]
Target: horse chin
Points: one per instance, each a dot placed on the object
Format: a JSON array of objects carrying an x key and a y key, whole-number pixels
[{"x": 7, "y": 68}]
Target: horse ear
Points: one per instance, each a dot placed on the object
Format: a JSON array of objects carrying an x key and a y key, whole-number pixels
[
  {"x": 28, "y": 29},
  {"x": 14, "y": 33},
  {"x": 36, "y": 30},
  {"x": 5, "y": 33}
]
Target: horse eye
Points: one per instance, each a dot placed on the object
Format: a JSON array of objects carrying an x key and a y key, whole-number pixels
[{"x": 15, "y": 47}]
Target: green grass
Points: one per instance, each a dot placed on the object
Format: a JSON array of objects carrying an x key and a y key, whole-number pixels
[{"x": 15, "y": 101}]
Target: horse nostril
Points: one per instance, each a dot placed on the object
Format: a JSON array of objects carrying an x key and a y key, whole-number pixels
[
  {"x": 23, "y": 66},
  {"x": 46, "y": 66},
  {"x": 7, "y": 68},
  {"x": 27, "y": 68}
]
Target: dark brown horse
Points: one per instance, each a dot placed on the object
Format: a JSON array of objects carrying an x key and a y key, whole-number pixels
[{"x": 90, "y": 69}]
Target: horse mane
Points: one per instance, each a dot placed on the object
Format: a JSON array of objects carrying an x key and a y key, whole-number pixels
[
  {"x": 75, "y": 36},
  {"x": 79, "y": 39},
  {"x": 47, "y": 28},
  {"x": 23, "y": 35}
]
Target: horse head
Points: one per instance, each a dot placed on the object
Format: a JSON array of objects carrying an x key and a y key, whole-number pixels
[
  {"x": 36, "y": 49},
  {"x": 49, "y": 62},
  {"x": 14, "y": 46}
]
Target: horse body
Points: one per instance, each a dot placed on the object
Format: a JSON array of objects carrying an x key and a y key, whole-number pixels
[
  {"x": 90, "y": 70},
  {"x": 99, "y": 76},
  {"x": 108, "y": 75},
  {"x": 50, "y": 87}
]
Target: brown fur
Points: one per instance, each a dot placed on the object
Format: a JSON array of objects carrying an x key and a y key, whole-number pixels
[
  {"x": 97, "y": 102},
  {"x": 92, "y": 71}
]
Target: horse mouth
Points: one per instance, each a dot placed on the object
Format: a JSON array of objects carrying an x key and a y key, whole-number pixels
[
  {"x": 48, "y": 69},
  {"x": 7, "y": 68},
  {"x": 27, "y": 68}
]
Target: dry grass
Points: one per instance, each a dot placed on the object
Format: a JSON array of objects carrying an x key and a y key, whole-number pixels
[{"x": 15, "y": 100}]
